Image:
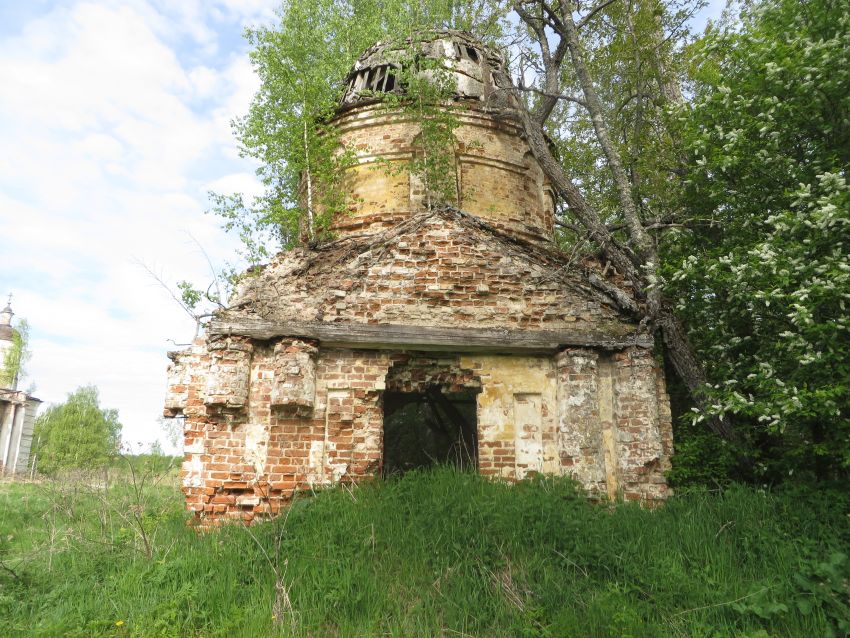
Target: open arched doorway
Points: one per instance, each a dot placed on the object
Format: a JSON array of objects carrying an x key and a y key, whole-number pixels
[{"x": 430, "y": 415}]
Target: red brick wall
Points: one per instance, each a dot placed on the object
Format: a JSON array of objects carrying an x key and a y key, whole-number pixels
[
  {"x": 444, "y": 271},
  {"x": 534, "y": 414}
]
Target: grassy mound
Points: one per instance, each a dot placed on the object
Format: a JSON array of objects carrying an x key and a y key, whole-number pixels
[{"x": 441, "y": 553}]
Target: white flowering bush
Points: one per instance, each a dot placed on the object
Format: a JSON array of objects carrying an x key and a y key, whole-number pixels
[{"x": 763, "y": 273}]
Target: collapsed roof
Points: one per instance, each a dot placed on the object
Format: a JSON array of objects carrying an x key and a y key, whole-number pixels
[{"x": 440, "y": 267}]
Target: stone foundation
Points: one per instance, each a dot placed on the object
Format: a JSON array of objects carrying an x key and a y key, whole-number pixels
[{"x": 298, "y": 416}]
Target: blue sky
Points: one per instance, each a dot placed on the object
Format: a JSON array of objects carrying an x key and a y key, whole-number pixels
[{"x": 114, "y": 125}]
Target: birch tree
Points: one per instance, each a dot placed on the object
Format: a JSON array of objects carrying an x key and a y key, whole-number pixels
[
  {"x": 617, "y": 213},
  {"x": 591, "y": 86}
]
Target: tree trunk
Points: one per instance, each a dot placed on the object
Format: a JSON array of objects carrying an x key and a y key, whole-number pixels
[
  {"x": 638, "y": 235},
  {"x": 687, "y": 366},
  {"x": 655, "y": 310},
  {"x": 619, "y": 256}
]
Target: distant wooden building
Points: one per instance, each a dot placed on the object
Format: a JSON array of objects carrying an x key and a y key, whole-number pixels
[{"x": 422, "y": 334}]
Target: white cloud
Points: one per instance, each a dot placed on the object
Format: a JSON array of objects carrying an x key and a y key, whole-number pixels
[
  {"x": 251, "y": 10},
  {"x": 245, "y": 183},
  {"x": 204, "y": 81},
  {"x": 101, "y": 147},
  {"x": 114, "y": 122},
  {"x": 242, "y": 84}
]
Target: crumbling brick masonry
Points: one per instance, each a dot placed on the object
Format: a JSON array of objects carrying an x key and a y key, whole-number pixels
[{"x": 438, "y": 309}]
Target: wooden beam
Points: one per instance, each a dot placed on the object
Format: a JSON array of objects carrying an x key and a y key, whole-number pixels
[{"x": 394, "y": 336}]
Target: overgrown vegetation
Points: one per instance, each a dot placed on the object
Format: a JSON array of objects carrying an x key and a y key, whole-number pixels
[
  {"x": 708, "y": 170},
  {"x": 426, "y": 99},
  {"x": 77, "y": 433},
  {"x": 441, "y": 553},
  {"x": 303, "y": 63},
  {"x": 763, "y": 278},
  {"x": 12, "y": 366}
]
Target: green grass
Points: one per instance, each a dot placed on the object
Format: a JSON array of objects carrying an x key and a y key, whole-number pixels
[{"x": 430, "y": 554}]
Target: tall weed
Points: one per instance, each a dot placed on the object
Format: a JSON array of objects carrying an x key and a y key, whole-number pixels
[{"x": 429, "y": 554}]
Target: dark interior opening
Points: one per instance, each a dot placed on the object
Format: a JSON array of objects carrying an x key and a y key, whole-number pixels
[{"x": 428, "y": 428}]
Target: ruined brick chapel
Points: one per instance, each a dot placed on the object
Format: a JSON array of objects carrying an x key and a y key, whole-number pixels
[{"x": 419, "y": 334}]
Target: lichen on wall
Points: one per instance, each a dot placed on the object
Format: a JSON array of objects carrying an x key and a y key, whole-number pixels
[
  {"x": 591, "y": 415},
  {"x": 516, "y": 414},
  {"x": 273, "y": 404}
]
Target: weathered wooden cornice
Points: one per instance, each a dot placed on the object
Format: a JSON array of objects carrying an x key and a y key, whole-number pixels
[{"x": 394, "y": 336}]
